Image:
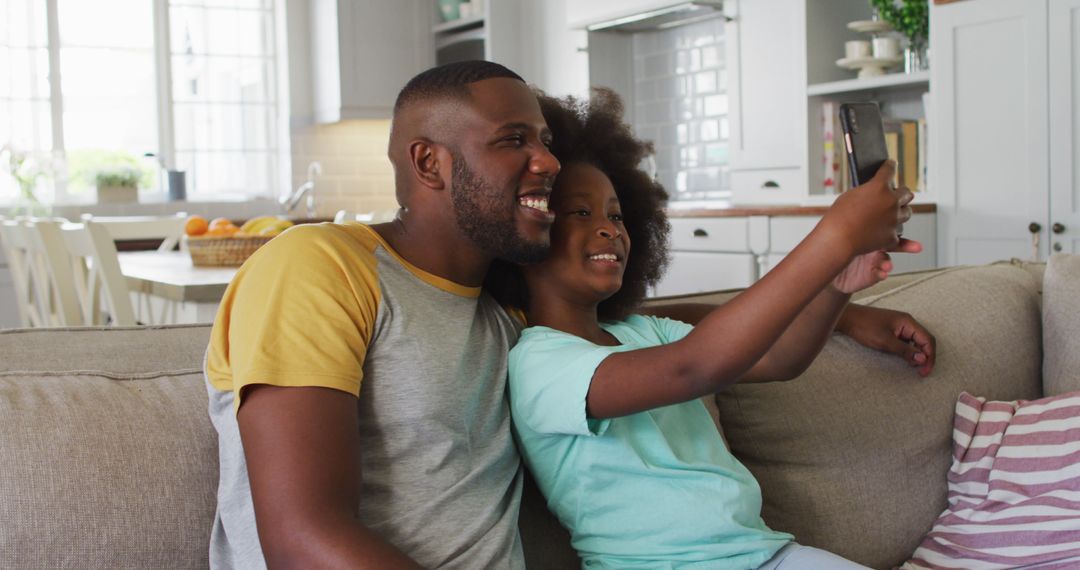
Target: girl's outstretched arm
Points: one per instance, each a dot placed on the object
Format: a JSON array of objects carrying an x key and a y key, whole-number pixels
[{"x": 728, "y": 342}]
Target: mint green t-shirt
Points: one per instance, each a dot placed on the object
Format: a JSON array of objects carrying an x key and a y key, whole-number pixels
[{"x": 656, "y": 489}]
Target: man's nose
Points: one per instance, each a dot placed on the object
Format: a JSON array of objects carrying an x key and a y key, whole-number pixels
[{"x": 544, "y": 163}]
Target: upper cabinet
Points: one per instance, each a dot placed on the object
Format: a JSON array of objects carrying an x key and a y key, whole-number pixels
[
  {"x": 1007, "y": 135},
  {"x": 490, "y": 30},
  {"x": 361, "y": 53},
  {"x": 349, "y": 58},
  {"x": 766, "y": 70}
]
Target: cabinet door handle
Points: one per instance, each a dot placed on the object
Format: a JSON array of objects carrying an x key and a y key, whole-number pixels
[
  {"x": 700, "y": 233},
  {"x": 1058, "y": 228},
  {"x": 1034, "y": 227},
  {"x": 770, "y": 184}
]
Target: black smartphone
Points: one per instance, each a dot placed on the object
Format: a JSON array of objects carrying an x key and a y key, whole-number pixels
[{"x": 864, "y": 140}]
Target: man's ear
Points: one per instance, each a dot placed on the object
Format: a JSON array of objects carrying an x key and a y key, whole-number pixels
[{"x": 431, "y": 163}]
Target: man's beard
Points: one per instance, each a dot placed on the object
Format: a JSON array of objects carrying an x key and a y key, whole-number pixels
[{"x": 482, "y": 214}]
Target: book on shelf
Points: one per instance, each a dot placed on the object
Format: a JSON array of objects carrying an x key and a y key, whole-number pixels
[
  {"x": 833, "y": 159},
  {"x": 905, "y": 140}
]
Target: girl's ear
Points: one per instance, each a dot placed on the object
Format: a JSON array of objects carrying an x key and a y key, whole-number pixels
[{"x": 431, "y": 163}]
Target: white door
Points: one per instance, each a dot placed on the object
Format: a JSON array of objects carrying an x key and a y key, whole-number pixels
[
  {"x": 1064, "y": 20},
  {"x": 990, "y": 130}
]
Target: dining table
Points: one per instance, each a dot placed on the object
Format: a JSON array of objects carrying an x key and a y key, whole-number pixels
[{"x": 174, "y": 287}]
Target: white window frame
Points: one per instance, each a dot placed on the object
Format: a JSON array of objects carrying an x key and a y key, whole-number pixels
[{"x": 279, "y": 167}]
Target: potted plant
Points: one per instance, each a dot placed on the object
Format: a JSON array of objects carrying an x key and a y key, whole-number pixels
[
  {"x": 118, "y": 184},
  {"x": 911, "y": 18}
]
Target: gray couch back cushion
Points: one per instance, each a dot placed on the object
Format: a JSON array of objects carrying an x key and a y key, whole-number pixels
[
  {"x": 1061, "y": 325},
  {"x": 852, "y": 456},
  {"x": 109, "y": 458}
]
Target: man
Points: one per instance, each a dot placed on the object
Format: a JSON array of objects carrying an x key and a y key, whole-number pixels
[{"x": 357, "y": 374}]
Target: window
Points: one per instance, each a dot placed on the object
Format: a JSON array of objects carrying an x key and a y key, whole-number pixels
[
  {"x": 190, "y": 85},
  {"x": 25, "y": 116}
]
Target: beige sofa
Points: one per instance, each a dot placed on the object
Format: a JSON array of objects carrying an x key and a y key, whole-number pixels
[{"x": 109, "y": 460}]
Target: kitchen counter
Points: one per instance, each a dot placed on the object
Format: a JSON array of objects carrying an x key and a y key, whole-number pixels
[{"x": 773, "y": 210}]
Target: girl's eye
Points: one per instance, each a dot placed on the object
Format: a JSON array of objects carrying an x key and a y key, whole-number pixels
[
  {"x": 616, "y": 217},
  {"x": 584, "y": 213}
]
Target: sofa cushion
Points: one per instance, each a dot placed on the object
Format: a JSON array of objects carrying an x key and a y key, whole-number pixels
[
  {"x": 1061, "y": 325},
  {"x": 110, "y": 460},
  {"x": 1013, "y": 487},
  {"x": 852, "y": 455}
]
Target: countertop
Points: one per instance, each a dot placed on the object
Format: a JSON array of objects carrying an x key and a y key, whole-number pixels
[{"x": 770, "y": 210}]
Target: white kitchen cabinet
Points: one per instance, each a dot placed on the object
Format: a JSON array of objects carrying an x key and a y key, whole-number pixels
[
  {"x": 785, "y": 232},
  {"x": 362, "y": 52},
  {"x": 1064, "y": 71},
  {"x": 1006, "y": 136},
  {"x": 707, "y": 254},
  {"x": 698, "y": 271},
  {"x": 725, "y": 252},
  {"x": 495, "y": 35},
  {"x": 765, "y": 42}
]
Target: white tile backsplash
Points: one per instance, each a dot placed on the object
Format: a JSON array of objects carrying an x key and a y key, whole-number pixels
[
  {"x": 681, "y": 104},
  {"x": 356, "y": 174}
]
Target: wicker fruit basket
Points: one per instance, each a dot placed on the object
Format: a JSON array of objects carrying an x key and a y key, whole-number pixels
[{"x": 223, "y": 251}]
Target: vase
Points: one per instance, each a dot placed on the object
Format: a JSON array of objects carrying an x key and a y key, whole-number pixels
[
  {"x": 29, "y": 205},
  {"x": 916, "y": 58}
]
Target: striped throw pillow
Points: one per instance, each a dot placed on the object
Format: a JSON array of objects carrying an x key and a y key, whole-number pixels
[{"x": 1014, "y": 487}]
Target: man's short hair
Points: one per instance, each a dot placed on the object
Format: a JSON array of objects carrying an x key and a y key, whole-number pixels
[{"x": 450, "y": 81}]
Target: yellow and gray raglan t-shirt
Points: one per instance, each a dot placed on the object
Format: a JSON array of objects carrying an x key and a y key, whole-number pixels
[{"x": 334, "y": 306}]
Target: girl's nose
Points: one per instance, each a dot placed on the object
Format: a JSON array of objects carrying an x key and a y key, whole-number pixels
[{"x": 609, "y": 234}]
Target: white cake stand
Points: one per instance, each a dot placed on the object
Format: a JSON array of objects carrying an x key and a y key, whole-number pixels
[{"x": 869, "y": 66}]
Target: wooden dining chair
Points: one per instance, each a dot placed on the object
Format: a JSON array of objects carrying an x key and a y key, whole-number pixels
[
  {"x": 17, "y": 253},
  {"x": 99, "y": 284},
  {"x": 51, "y": 300},
  {"x": 169, "y": 229}
]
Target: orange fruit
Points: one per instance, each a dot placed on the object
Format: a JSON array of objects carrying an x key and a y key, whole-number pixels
[
  {"x": 196, "y": 226},
  {"x": 222, "y": 231},
  {"x": 220, "y": 223}
]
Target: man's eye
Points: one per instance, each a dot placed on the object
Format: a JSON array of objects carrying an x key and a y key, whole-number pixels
[{"x": 515, "y": 139}]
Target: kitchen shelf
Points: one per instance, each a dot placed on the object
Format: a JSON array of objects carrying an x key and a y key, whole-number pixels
[
  {"x": 449, "y": 40},
  {"x": 918, "y": 79},
  {"x": 459, "y": 24}
]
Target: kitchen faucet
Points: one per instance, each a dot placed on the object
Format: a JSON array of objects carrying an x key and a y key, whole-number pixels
[{"x": 290, "y": 202}]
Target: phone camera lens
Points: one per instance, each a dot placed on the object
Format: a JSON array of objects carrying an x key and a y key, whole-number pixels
[{"x": 852, "y": 121}]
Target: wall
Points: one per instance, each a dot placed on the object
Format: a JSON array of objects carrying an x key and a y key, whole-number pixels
[{"x": 356, "y": 174}]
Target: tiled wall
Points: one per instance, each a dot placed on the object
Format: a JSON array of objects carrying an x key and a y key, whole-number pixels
[
  {"x": 356, "y": 174},
  {"x": 681, "y": 104}
]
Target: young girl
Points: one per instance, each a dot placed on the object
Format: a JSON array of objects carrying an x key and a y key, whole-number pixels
[{"x": 606, "y": 406}]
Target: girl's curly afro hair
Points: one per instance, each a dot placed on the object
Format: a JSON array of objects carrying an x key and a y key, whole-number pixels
[{"x": 595, "y": 133}]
